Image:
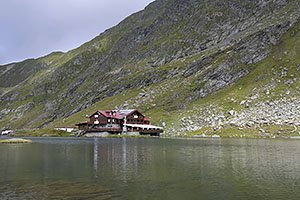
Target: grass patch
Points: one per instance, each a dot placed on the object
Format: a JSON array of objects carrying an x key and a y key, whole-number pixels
[
  {"x": 42, "y": 133},
  {"x": 15, "y": 141}
]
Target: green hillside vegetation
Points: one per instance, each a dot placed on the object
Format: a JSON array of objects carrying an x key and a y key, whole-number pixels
[
  {"x": 193, "y": 67},
  {"x": 264, "y": 77}
]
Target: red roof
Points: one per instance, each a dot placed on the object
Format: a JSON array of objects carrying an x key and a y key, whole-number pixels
[{"x": 147, "y": 120}]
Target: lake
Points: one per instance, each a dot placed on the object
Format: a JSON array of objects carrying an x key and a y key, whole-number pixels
[{"x": 150, "y": 168}]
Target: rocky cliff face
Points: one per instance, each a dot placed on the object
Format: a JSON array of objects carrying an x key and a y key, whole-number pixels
[{"x": 162, "y": 60}]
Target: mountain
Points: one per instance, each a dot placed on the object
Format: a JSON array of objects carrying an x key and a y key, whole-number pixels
[{"x": 192, "y": 66}]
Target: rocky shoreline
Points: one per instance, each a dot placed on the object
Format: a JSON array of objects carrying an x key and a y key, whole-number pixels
[{"x": 258, "y": 117}]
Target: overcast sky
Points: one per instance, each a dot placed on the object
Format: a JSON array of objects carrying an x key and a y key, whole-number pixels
[{"x": 33, "y": 28}]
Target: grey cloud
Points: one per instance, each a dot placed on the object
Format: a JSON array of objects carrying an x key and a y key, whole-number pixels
[{"x": 32, "y": 28}]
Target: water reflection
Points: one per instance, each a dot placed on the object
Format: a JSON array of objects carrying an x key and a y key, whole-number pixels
[
  {"x": 124, "y": 152},
  {"x": 96, "y": 156},
  {"x": 131, "y": 168}
]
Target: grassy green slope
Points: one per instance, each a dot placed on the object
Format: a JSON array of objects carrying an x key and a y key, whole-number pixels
[
  {"x": 266, "y": 81},
  {"x": 157, "y": 60},
  {"x": 262, "y": 81}
]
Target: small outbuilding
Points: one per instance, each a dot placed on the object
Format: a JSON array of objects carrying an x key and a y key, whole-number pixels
[
  {"x": 7, "y": 132},
  {"x": 68, "y": 129}
]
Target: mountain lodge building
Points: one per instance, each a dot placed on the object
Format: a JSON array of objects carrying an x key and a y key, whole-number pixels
[{"x": 120, "y": 122}]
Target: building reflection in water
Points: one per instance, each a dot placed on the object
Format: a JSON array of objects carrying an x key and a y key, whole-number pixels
[
  {"x": 124, "y": 153},
  {"x": 123, "y": 157},
  {"x": 95, "y": 157}
]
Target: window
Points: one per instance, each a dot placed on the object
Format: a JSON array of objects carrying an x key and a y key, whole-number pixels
[
  {"x": 96, "y": 116},
  {"x": 108, "y": 120},
  {"x": 113, "y": 120},
  {"x": 135, "y": 116}
]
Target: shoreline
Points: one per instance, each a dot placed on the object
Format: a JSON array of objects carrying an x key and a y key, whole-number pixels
[
  {"x": 267, "y": 131},
  {"x": 161, "y": 137}
]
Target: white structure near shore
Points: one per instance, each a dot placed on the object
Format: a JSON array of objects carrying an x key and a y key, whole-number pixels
[
  {"x": 7, "y": 132},
  {"x": 68, "y": 129}
]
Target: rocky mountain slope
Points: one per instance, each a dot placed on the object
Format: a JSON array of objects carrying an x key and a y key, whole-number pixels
[{"x": 195, "y": 67}]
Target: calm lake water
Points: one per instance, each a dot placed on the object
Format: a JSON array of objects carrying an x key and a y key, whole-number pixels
[{"x": 143, "y": 168}]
